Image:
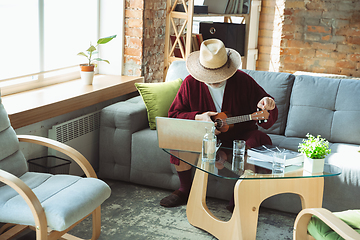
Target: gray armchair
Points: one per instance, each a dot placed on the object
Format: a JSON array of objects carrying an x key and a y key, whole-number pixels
[{"x": 49, "y": 204}]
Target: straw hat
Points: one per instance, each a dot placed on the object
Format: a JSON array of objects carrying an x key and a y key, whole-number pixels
[{"x": 213, "y": 63}]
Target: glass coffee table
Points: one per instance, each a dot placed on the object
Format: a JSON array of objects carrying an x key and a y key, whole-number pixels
[{"x": 254, "y": 185}]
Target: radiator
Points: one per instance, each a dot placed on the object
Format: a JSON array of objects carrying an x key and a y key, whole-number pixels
[{"x": 81, "y": 133}]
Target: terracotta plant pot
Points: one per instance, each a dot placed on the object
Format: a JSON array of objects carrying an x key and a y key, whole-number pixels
[
  {"x": 87, "y": 73},
  {"x": 87, "y": 68}
]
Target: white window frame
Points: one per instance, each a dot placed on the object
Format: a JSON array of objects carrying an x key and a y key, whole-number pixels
[{"x": 105, "y": 27}]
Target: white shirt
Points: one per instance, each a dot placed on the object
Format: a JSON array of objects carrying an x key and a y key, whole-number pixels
[{"x": 217, "y": 95}]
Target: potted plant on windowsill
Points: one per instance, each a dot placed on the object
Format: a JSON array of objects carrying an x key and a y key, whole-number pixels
[
  {"x": 87, "y": 69},
  {"x": 315, "y": 150}
]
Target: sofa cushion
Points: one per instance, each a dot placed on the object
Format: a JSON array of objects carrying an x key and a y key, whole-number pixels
[
  {"x": 117, "y": 123},
  {"x": 177, "y": 69},
  {"x": 279, "y": 86},
  {"x": 63, "y": 197},
  {"x": 291, "y": 143},
  {"x": 345, "y": 148},
  {"x": 326, "y": 107},
  {"x": 150, "y": 165},
  {"x": 345, "y": 127},
  {"x": 158, "y": 98},
  {"x": 341, "y": 191},
  {"x": 12, "y": 159}
]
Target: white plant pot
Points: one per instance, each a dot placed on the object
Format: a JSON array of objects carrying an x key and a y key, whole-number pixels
[
  {"x": 314, "y": 165},
  {"x": 87, "y": 77}
]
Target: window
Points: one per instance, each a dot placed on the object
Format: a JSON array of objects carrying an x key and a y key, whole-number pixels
[{"x": 40, "y": 40}]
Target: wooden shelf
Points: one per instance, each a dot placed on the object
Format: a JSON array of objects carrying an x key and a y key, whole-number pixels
[
  {"x": 220, "y": 15},
  {"x": 172, "y": 17},
  {"x": 37, "y": 105}
]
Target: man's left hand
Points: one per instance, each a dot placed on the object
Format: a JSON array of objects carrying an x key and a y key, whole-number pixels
[{"x": 266, "y": 103}]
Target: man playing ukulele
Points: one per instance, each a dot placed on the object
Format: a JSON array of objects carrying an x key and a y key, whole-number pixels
[{"x": 216, "y": 85}]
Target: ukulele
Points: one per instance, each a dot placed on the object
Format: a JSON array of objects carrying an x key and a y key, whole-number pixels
[{"x": 223, "y": 122}]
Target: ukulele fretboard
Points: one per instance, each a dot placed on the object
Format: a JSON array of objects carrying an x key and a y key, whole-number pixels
[{"x": 238, "y": 119}]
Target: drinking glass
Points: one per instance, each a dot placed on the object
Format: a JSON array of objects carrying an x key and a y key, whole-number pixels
[
  {"x": 238, "y": 155},
  {"x": 278, "y": 164}
]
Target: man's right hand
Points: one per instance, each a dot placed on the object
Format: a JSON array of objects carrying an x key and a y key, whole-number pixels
[{"x": 206, "y": 116}]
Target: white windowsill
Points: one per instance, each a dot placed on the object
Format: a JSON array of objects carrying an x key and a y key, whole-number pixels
[{"x": 36, "y": 105}]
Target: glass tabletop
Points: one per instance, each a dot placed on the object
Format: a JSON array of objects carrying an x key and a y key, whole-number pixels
[{"x": 225, "y": 167}]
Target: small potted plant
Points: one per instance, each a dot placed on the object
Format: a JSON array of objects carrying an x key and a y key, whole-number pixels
[
  {"x": 315, "y": 149},
  {"x": 87, "y": 69}
]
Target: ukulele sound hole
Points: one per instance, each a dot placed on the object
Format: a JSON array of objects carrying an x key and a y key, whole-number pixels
[{"x": 219, "y": 123}]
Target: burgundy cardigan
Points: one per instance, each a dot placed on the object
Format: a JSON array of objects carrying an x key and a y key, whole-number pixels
[{"x": 241, "y": 97}]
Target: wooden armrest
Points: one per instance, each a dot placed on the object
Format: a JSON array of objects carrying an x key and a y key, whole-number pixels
[
  {"x": 340, "y": 227},
  {"x": 61, "y": 147},
  {"x": 30, "y": 198}
]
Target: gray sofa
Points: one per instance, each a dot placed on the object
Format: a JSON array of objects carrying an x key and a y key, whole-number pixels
[{"x": 307, "y": 104}]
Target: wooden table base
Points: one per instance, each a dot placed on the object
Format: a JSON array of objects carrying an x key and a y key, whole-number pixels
[{"x": 248, "y": 195}]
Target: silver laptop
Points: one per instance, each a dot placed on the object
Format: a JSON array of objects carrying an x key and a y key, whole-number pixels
[{"x": 181, "y": 134}]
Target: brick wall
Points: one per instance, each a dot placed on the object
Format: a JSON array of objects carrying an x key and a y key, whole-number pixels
[
  {"x": 321, "y": 36},
  {"x": 310, "y": 35},
  {"x": 154, "y": 40},
  {"x": 144, "y": 39},
  {"x": 134, "y": 39}
]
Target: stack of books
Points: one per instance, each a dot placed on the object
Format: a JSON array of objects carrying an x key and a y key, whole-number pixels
[{"x": 263, "y": 156}]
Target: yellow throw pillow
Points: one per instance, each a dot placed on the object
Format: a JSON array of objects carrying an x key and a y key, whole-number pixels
[{"x": 158, "y": 97}]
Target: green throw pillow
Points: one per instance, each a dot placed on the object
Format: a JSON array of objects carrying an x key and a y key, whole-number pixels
[
  {"x": 320, "y": 231},
  {"x": 158, "y": 97}
]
